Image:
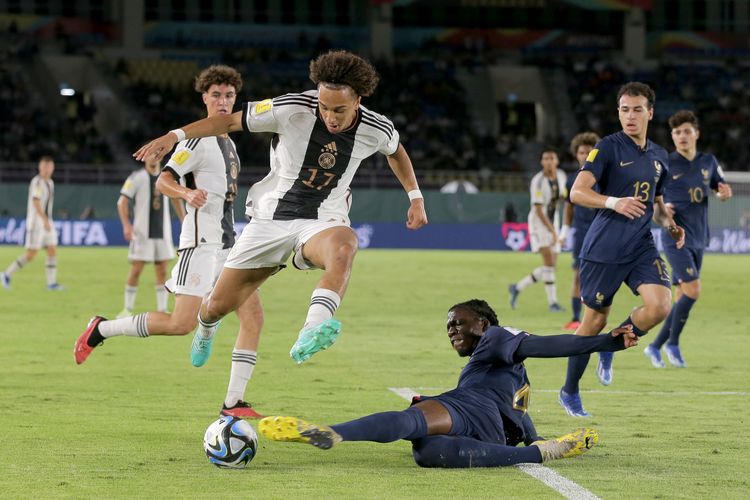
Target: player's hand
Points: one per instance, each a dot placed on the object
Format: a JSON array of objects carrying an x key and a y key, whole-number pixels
[
  {"x": 629, "y": 338},
  {"x": 724, "y": 192},
  {"x": 669, "y": 210},
  {"x": 562, "y": 238},
  {"x": 677, "y": 234},
  {"x": 156, "y": 149},
  {"x": 196, "y": 198},
  {"x": 127, "y": 232},
  {"x": 630, "y": 207},
  {"x": 416, "y": 216}
]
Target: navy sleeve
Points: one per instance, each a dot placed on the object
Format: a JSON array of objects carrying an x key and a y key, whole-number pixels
[
  {"x": 717, "y": 176},
  {"x": 661, "y": 184},
  {"x": 561, "y": 346},
  {"x": 499, "y": 344},
  {"x": 598, "y": 160}
]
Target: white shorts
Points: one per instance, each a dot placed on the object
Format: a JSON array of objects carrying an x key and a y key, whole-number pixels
[
  {"x": 269, "y": 243},
  {"x": 197, "y": 270},
  {"x": 38, "y": 237},
  {"x": 541, "y": 237},
  {"x": 150, "y": 250}
]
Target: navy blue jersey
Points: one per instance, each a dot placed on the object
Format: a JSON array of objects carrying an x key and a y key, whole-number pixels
[
  {"x": 493, "y": 372},
  {"x": 687, "y": 189},
  {"x": 582, "y": 216},
  {"x": 621, "y": 169}
]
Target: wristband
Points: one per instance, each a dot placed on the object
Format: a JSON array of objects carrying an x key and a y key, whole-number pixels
[
  {"x": 179, "y": 133},
  {"x": 611, "y": 202},
  {"x": 414, "y": 194}
]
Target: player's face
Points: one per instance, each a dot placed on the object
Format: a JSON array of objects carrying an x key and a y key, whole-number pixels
[
  {"x": 685, "y": 137},
  {"x": 464, "y": 330},
  {"x": 152, "y": 166},
  {"x": 338, "y": 107},
  {"x": 219, "y": 99},
  {"x": 549, "y": 162},
  {"x": 582, "y": 153},
  {"x": 46, "y": 168},
  {"x": 634, "y": 115}
]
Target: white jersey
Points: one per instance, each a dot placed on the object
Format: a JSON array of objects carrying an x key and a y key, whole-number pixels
[
  {"x": 311, "y": 168},
  {"x": 210, "y": 163},
  {"x": 550, "y": 194},
  {"x": 151, "y": 211},
  {"x": 44, "y": 191}
]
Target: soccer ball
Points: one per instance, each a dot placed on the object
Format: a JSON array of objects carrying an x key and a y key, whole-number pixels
[{"x": 230, "y": 442}]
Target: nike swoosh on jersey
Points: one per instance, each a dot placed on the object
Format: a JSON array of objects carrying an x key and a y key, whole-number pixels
[
  {"x": 626, "y": 163},
  {"x": 677, "y": 176}
]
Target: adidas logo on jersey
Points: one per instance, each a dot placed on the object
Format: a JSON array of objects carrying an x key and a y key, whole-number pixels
[
  {"x": 330, "y": 148},
  {"x": 327, "y": 158}
]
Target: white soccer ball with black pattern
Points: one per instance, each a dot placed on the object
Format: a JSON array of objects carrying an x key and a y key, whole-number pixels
[{"x": 230, "y": 442}]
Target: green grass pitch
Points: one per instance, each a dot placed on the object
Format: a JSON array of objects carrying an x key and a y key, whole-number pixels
[{"x": 130, "y": 421}]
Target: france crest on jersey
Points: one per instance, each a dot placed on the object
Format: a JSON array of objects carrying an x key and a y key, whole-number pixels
[
  {"x": 624, "y": 169},
  {"x": 687, "y": 190}
]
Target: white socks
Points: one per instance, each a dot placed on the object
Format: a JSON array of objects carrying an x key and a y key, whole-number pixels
[
  {"x": 130, "y": 293},
  {"x": 16, "y": 265},
  {"x": 133, "y": 326},
  {"x": 243, "y": 364},
  {"x": 550, "y": 288},
  {"x": 536, "y": 275},
  {"x": 323, "y": 305},
  {"x": 205, "y": 329},
  {"x": 51, "y": 270},
  {"x": 162, "y": 298}
]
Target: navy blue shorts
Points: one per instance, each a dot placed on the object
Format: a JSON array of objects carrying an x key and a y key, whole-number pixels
[
  {"x": 473, "y": 415},
  {"x": 686, "y": 263},
  {"x": 600, "y": 282}
]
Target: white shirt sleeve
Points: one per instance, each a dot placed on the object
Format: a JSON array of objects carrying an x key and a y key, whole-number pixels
[
  {"x": 261, "y": 116},
  {"x": 130, "y": 186},
  {"x": 185, "y": 160}
]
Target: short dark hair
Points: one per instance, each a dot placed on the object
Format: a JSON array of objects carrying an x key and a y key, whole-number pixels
[
  {"x": 218, "y": 74},
  {"x": 548, "y": 149},
  {"x": 635, "y": 89},
  {"x": 683, "y": 116},
  {"x": 583, "y": 139},
  {"x": 479, "y": 307},
  {"x": 45, "y": 158},
  {"x": 340, "y": 67}
]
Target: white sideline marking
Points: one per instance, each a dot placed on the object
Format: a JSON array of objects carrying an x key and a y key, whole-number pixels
[
  {"x": 633, "y": 393},
  {"x": 552, "y": 479}
]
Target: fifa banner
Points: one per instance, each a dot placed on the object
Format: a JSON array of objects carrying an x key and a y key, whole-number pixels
[{"x": 511, "y": 236}]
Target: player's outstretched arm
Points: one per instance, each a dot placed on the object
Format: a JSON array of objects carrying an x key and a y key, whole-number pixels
[
  {"x": 561, "y": 346},
  {"x": 401, "y": 165},
  {"x": 207, "y": 127}
]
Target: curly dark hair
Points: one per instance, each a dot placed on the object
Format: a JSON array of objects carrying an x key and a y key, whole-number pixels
[
  {"x": 340, "y": 67},
  {"x": 583, "y": 139},
  {"x": 218, "y": 74},
  {"x": 683, "y": 116},
  {"x": 479, "y": 307},
  {"x": 635, "y": 89}
]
